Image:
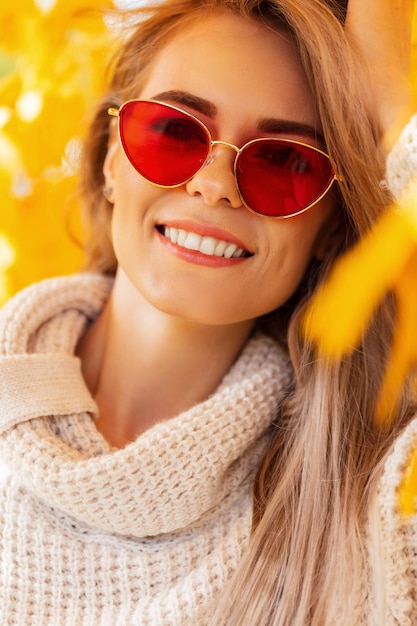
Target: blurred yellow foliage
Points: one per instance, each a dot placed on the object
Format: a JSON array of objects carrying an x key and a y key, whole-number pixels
[
  {"x": 58, "y": 56},
  {"x": 414, "y": 55}
]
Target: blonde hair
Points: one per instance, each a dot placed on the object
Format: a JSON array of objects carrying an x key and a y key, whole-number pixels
[{"x": 315, "y": 491}]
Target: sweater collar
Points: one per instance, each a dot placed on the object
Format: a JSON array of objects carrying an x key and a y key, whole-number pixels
[{"x": 175, "y": 473}]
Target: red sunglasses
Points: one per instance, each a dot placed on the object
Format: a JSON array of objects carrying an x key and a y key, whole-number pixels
[{"x": 275, "y": 177}]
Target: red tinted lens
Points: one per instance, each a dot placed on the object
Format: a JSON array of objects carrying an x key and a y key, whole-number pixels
[
  {"x": 279, "y": 178},
  {"x": 164, "y": 145}
]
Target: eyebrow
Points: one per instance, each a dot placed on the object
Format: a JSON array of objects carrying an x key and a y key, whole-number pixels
[
  {"x": 289, "y": 127},
  {"x": 267, "y": 125},
  {"x": 194, "y": 102}
]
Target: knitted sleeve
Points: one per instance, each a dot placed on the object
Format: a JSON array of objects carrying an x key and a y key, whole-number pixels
[
  {"x": 402, "y": 160},
  {"x": 399, "y": 534}
]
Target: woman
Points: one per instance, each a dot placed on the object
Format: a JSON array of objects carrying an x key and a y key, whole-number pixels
[{"x": 129, "y": 498}]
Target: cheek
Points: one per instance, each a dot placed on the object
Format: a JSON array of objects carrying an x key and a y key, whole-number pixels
[
  {"x": 132, "y": 196},
  {"x": 315, "y": 230},
  {"x": 283, "y": 278},
  {"x": 127, "y": 181},
  {"x": 125, "y": 222},
  {"x": 292, "y": 247}
]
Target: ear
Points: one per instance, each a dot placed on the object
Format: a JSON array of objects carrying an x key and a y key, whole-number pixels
[
  {"x": 109, "y": 165},
  {"x": 330, "y": 237}
]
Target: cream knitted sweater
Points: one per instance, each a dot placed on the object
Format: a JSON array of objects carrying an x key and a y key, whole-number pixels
[
  {"x": 92, "y": 535},
  {"x": 147, "y": 535}
]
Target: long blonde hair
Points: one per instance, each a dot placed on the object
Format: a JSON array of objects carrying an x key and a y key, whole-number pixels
[{"x": 315, "y": 490}]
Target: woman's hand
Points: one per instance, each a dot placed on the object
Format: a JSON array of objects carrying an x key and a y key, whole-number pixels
[{"x": 382, "y": 30}]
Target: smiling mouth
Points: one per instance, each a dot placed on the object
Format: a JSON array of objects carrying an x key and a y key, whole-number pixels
[{"x": 205, "y": 245}]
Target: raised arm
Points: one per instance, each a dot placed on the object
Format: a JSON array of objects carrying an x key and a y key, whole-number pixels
[{"x": 382, "y": 30}]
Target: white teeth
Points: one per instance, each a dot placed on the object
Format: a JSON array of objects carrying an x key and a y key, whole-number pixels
[
  {"x": 220, "y": 248},
  {"x": 208, "y": 245},
  {"x": 205, "y": 245},
  {"x": 182, "y": 236},
  {"x": 192, "y": 241},
  {"x": 230, "y": 250},
  {"x": 173, "y": 234}
]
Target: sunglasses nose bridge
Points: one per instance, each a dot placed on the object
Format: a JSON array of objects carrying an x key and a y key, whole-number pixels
[
  {"x": 217, "y": 142},
  {"x": 225, "y": 143}
]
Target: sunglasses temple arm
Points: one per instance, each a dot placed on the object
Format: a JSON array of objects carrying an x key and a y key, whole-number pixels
[{"x": 113, "y": 112}]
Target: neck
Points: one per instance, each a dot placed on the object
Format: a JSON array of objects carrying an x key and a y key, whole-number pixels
[{"x": 143, "y": 366}]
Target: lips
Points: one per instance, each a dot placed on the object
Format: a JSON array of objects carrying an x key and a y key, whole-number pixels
[{"x": 210, "y": 246}]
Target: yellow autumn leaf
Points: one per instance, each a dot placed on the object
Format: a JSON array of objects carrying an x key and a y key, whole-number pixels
[
  {"x": 414, "y": 55},
  {"x": 10, "y": 88},
  {"x": 83, "y": 15},
  {"x": 43, "y": 139},
  {"x": 342, "y": 307},
  {"x": 407, "y": 495},
  {"x": 7, "y": 258},
  {"x": 40, "y": 239},
  {"x": 12, "y": 17}
]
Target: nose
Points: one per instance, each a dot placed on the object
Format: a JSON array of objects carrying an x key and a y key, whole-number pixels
[{"x": 216, "y": 181}]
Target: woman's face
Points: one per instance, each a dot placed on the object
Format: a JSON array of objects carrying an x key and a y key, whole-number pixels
[{"x": 242, "y": 80}]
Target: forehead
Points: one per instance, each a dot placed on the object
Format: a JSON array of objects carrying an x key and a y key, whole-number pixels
[{"x": 238, "y": 65}]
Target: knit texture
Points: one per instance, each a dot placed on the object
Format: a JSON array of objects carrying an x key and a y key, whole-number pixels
[
  {"x": 398, "y": 536},
  {"x": 402, "y": 160},
  {"x": 147, "y": 534}
]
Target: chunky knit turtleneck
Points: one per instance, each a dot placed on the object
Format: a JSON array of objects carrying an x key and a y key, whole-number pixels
[{"x": 147, "y": 534}]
